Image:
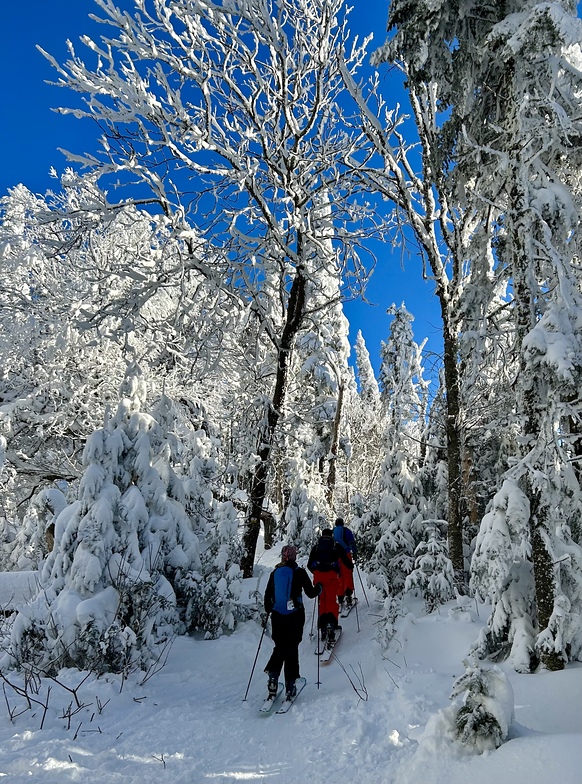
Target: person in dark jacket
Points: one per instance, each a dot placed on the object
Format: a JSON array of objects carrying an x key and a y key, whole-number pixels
[
  {"x": 284, "y": 602},
  {"x": 345, "y": 538},
  {"x": 324, "y": 563}
]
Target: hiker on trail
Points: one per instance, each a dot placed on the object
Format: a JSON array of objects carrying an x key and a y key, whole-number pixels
[
  {"x": 324, "y": 563},
  {"x": 284, "y": 602},
  {"x": 345, "y": 538}
]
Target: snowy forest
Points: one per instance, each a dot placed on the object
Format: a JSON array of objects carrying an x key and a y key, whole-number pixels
[{"x": 177, "y": 382}]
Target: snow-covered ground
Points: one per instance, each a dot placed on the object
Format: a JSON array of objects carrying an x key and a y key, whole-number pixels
[{"x": 189, "y": 724}]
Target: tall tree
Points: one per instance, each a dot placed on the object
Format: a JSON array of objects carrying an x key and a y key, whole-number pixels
[
  {"x": 398, "y": 509},
  {"x": 242, "y": 99},
  {"x": 366, "y": 425},
  {"x": 505, "y": 78},
  {"x": 442, "y": 227},
  {"x": 533, "y": 55}
]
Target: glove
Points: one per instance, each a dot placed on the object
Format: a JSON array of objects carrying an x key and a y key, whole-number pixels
[{"x": 320, "y": 587}]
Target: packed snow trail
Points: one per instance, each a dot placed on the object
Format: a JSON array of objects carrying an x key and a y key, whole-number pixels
[{"x": 189, "y": 724}]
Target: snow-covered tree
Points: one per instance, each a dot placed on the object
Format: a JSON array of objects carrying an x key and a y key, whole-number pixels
[
  {"x": 60, "y": 365},
  {"x": 302, "y": 515},
  {"x": 256, "y": 132},
  {"x": 494, "y": 92},
  {"x": 480, "y": 716},
  {"x": 395, "y": 521},
  {"x": 441, "y": 225},
  {"x": 366, "y": 423},
  {"x": 433, "y": 572},
  {"x": 483, "y": 720},
  {"x": 106, "y": 598},
  {"x": 533, "y": 55},
  {"x": 211, "y": 593},
  {"x": 369, "y": 389}
]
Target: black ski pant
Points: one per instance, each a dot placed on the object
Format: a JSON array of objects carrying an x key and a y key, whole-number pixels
[{"x": 287, "y": 633}]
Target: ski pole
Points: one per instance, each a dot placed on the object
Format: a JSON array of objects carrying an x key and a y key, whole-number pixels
[
  {"x": 357, "y": 616},
  {"x": 362, "y": 584},
  {"x": 318, "y": 681},
  {"x": 256, "y": 657},
  {"x": 313, "y": 617}
]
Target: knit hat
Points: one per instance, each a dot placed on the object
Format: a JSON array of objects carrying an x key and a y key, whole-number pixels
[{"x": 289, "y": 552}]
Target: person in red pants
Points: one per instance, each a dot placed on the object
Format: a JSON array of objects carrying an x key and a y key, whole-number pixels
[{"x": 324, "y": 563}]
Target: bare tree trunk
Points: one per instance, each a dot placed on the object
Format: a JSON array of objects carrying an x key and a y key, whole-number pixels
[
  {"x": 269, "y": 529},
  {"x": 258, "y": 491},
  {"x": 332, "y": 475},
  {"x": 455, "y": 521}
]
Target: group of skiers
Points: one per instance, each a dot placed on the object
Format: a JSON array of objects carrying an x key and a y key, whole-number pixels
[{"x": 331, "y": 561}]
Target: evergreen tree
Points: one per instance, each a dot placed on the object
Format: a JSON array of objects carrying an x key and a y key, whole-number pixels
[
  {"x": 504, "y": 78},
  {"x": 395, "y": 521},
  {"x": 530, "y": 55},
  {"x": 366, "y": 425},
  {"x": 106, "y": 599},
  {"x": 483, "y": 720},
  {"x": 302, "y": 514},
  {"x": 369, "y": 389},
  {"x": 433, "y": 571}
]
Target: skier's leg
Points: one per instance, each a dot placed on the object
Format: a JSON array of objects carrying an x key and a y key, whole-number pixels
[{"x": 275, "y": 663}]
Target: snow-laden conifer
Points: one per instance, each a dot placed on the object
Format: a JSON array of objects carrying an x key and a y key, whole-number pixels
[
  {"x": 394, "y": 524},
  {"x": 106, "y": 599},
  {"x": 208, "y": 591},
  {"x": 535, "y": 53},
  {"x": 369, "y": 389},
  {"x": 432, "y": 574},
  {"x": 483, "y": 720},
  {"x": 501, "y": 572},
  {"x": 480, "y": 716},
  {"x": 302, "y": 516},
  {"x": 366, "y": 423}
]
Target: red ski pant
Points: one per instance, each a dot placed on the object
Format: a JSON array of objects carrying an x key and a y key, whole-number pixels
[
  {"x": 346, "y": 577},
  {"x": 328, "y": 607}
]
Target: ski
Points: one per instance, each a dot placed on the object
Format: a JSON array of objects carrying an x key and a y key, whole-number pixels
[
  {"x": 322, "y": 645},
  {"x": 347, "y": 608},
  {"x": 325, "y": 655},
  {"x": 286, "y": 704},
  {"x": 271, "y": 702}
]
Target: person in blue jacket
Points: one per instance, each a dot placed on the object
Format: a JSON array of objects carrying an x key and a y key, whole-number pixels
[
  {"x": 345, "y": 538},
  {"x": 284, "y": 601}
]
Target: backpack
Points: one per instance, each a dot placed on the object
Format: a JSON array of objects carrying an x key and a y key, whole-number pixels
[
  {"x": 285, "y": 603},
  {"x": 339, "y": 536},
  {"x": 326, "y": 556},
  {"x": 344, "y": 537}
]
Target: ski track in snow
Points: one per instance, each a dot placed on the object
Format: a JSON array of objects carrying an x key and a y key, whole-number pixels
[{"x": 189, "y": 724}]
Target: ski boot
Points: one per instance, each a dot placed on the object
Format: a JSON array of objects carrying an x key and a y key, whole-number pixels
[
  {"x": 273, "y": 685},
  {"x": 290, "y": 690}
]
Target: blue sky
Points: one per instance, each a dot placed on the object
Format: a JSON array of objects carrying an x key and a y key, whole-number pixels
[{"x": 30, "y": 135}]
